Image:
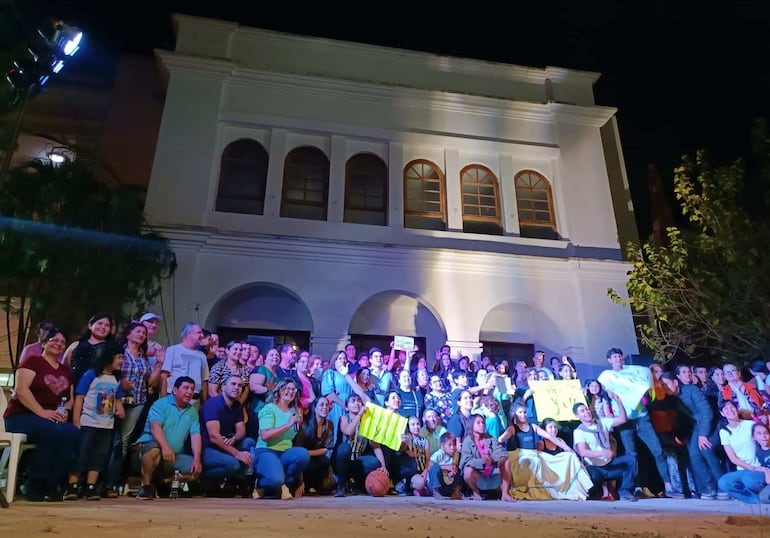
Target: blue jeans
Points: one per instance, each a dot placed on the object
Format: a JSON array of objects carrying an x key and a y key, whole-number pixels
[
  {"x": 359, "y": 468},
  {"x": 743, "y": 485},
  {"x": 705, "y": 466},
  {"x": 436, "y": 482},
  {"x": 621, "y": 468},
  {"x": 218, "y": 465},
  {"x": 643, "y": 428},
  {"x": 55, "y": 446},
  {"x": 274, "y": 469}
]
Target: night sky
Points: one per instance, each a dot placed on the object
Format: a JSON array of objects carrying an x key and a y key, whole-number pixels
[{"x": 682, "y": 75}]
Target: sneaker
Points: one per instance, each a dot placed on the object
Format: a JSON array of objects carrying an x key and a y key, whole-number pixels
[
  {"x": 257, "y": 493},
  {"x": 71, "y": 493},
  {"x": 146, "y": 493},
  {"x": 708, "y": 496},
  {"x": 671, "y": 494},
  {"x": 339, "y": 491},
  {"x": 628, "y": 496},
  {"x": 91, "y": 494},
  {"x": 285, "y": 493},
  {"x": 722, "y": 496},
  {"x": 764, "y": 495}
]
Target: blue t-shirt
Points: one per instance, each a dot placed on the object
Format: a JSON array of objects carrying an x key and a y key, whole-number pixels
[
  {"x": 177, "y": 423},
  {"x": 216, "y": 409},
  {"x": 763, "y": 456},
  {"x": 99, "y": 396}
]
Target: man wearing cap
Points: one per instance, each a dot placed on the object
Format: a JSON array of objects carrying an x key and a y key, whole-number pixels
[
  {"x": 154, "y": 349},
  {"x": 183, "y": 359}
]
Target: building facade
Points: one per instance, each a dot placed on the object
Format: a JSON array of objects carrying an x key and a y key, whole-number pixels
[{"x": 334, "y": 191}]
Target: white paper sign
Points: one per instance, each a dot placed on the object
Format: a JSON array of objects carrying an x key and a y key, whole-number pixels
[
  {"x": 403, "y": 342},
  {"x": 630, "y": 384}
]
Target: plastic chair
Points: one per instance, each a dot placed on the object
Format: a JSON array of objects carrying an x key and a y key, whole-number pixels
[{"x": 12, "y": 446}]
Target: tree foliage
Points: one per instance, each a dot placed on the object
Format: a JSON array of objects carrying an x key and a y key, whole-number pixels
[
  {"x": 71, "y": 246},
  {"x": 707, "y": 292}
]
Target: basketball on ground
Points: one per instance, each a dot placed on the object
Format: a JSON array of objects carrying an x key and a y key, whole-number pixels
[{"x": 377, "y": 484}]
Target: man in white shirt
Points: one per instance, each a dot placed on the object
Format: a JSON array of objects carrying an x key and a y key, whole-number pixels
[
  {"x": 183, "y": 359},
  {"x": 594, "y": 443}
]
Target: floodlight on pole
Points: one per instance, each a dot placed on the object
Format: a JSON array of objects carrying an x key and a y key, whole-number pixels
[{"x": 47, "y": 53}]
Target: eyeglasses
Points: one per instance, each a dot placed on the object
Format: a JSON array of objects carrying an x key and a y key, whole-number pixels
[
  {"x": 57, "y": 341},
  {"x": 289, "y": 389}
]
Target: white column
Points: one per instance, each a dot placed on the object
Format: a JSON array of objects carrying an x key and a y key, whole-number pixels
[
  {"x": 336, "y": 207},
  {"x": 466, "y": 348},
  {"x": 454, "y": 198},
  {"x": 275, "y": 173},
  {"x": 395, "y": 185},
  {"x": 508, "y": 207}
]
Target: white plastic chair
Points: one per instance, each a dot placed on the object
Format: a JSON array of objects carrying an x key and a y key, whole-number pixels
[{"x": 12, "y": 446}]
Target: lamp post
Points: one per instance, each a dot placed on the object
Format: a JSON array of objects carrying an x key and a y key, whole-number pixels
[{"x": 47, "y": 53}]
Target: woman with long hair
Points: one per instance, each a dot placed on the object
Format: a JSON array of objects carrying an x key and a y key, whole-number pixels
[
  {"x": 484, "y": 462},
  {"x": 317, "y": 436},
  {"x": 136, "y": 379},
  {"x": 261, "y": 383},
  {"x": 538, "y": 475},
  {"x": 336, "y": 389},
  {"x": 278, "y": 465},
  {"x": 80, "y": 354}
]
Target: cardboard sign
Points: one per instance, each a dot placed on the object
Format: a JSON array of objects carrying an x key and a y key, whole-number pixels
[
  {"x": 630, "y": 384},
  {"x": 403, "y": 342},
  {"x": 382, "y": 426},
  {"x": 555, "y": 399}
]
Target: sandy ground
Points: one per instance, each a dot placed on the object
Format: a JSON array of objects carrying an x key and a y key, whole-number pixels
[{"x": 386, "y": 516}]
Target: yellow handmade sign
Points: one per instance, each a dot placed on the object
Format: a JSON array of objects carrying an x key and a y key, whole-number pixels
[
  {"x": 382, "y": 426},
  {"x": 555, "y": 399}
]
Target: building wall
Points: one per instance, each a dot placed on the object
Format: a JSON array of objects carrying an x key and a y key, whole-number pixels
[{"x": 333, "y": 278}]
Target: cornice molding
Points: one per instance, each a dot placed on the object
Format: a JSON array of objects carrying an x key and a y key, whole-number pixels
[{"x": 208, "y": 241}]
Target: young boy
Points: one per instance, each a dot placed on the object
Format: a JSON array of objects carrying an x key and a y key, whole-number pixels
[
  {"x": 444, "y": 477},
  {"x": 98, "y": 400}
]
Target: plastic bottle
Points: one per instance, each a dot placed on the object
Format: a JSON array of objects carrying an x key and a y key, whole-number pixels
[
  {"x": 175, "y": 485},
  {"x": 62, "y": 410}
]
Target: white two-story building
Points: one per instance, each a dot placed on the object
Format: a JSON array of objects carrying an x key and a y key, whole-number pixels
[{"x": 324, "y": 191}]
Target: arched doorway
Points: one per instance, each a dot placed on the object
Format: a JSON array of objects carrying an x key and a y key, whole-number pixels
[
  {"x": 389, "y": 313},
  {"x": 262, "y": 309}
]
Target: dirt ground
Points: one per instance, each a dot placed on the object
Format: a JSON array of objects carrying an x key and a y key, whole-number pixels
[{"x": 386, "y": 516}]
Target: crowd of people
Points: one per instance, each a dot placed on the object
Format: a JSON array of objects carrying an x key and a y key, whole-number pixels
[{"x": 281, "y": 423}]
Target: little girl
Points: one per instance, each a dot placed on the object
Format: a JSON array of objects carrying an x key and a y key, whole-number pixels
[
  {"x": 98, "y": 400},
  {"x": 416, "y": 446}
]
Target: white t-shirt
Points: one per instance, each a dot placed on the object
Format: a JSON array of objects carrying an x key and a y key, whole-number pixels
[
  {"x": 596, "y": 438},
  {"x": 739, "y": 439},
  {"x": 180, "y": 361}
]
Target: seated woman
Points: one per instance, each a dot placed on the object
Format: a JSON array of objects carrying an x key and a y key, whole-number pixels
[
  {"x": 401, "y": 465},
  {"x": 355, "y": 456},
  {"x": 278, "y": 465},
  {"x": 484, "y": 463},
  {"x": 539, "y": 475},
  {"x": 317, "y": 436},
  {"x": 43, "y": 385}
]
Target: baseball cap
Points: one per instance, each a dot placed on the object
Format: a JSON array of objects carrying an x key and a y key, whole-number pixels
[{"x": 148, "y": 316}]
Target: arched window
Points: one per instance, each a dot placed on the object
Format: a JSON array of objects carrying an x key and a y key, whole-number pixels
[
  {"x": 366, "y": 190},
  {"x": 242, "y": 178},
  {"x": 305, "y": 184},
  {"x": 535, "y": 205},
  {"x": 481, "y": 201},
  {"x": 424, "y": 200}
]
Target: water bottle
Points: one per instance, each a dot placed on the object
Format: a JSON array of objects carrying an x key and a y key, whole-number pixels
[
  {"x": 175, "y": 485},
  {"x": 62, "y": 410}
]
